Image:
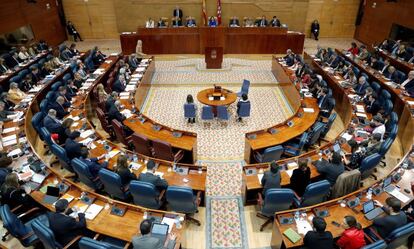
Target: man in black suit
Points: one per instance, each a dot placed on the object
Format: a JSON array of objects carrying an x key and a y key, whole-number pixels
[
  {"x": 271, "y": 178},
  {"x": 58, "y": 106},
  {"x": 51, "y": 123},
  {"x": 72, "y": 146},
  {"x": 275, "y": 22},
  {"x": 396, "y": 218},
  {"x": 150, "y": 177},
  {"x": 318, "y": 238},
  {"x": 331, "y": 170},
  {"x": 178, "y": 12},
  {"x": 120, "y": 84},
  {"x": 289, "y": 58},
  {"x": 375, "y": 64},
  {"x": 323, "y": 99},
  {"x": 262, "y": 22},
  {"x": 64, "y": 94},
  {"x": 64, "y": 227},
  {"x": 36, "y": 75},
  {"x": 392, "y": 74},
  {"x": 110, "y": 101},
  {"x": 4, "y": 113},
  {"x": 114, "y": 113},
  {"x": 3, "y": 67},
  {"x": 409, "y": 82},
  {"x": 372, "y": 104},
  {"x": 361, "y": 86},
  {"x": 234, "y": 22},
  {"x": 93, "y": 165},
  {"x": 384, "y": 69}
]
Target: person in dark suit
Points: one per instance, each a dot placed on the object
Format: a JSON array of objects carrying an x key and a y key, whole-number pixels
[
  {"x": 315, "y": 27},
  {"x": 373, "y": 145},
  {"x": 191, "y": 22},
  {"x": 410, "y": 56},
  {"x": 244, "y": 98},
  {"x": 73, "y": 32},
  {"x": 392, "y": 74},
  {"x": 149, "y": 176},
  {"x": 26, "y": 83},
  {"x": 42, "y": 46},
  {"x": 177, "y": 12},
  {"x": 114, "y": 113},
  {"x": 331, "y": 170},
  {"x": 373, "y": 106},
  {"x": 386, "y": 45},
  {"x": 300, "y": 178},
  {"x": 73, "y": 51},
  {"x": 361, "y": 86},
  {"x": 51, "y": 123},
  {"x": 145, "y": 240},
  {"x": 36, "y": 75},
  {"x": 384, "y": 69},
  {"x": 133, "y": 61},
  {"x": 64, "y": 227},
  {"x": 396, "y": 218},
  {"x": 161, "y": 23},
  {"x": 262, "y": 22},
  {"x": 375, "y": 64},
  {"x": 176, "y": 22},
  {"x": 13, "y": 194},
  {"x": 123, "y": 171},
  {"x": 4, "y": 113},
  {"x": 318, "y": 238},
  {"x": 71, "y": 89},
  {"x": 120, "y": 84},
  {"x": 271, "y": 178},
  {"x": 93, "y": 163},
  {"x": 72, "y": 146},
  {"x": 356, "y": 155},
  {"x": 234, "y": 22},
  {"x": 289, "y": 58},
  {"x": 275, "y": 22},
  {"x": 62, "y": 92},
  {"x": 110, "y": 101},
  {"x": 323, "y": 99},
  {"x": 3, "y": 67},
  {"x": 59, "y": 108},
  {"x": 409, "y": 82}
]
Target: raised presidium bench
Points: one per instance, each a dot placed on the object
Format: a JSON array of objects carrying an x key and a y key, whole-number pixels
[{"x": 241, "y": 40}]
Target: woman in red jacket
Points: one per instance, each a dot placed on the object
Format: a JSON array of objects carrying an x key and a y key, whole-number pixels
[
  {"x": 354, "y": 49},
  {"x": 353, "y": 236}
]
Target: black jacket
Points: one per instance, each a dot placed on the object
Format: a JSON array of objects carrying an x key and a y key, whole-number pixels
[
  {"x": 159, "y": 183},
  {"x": 114, "y": 113},
  {"x": 126, "y": 176},
  {"x": 300, "y": 180},
  {"x": 60, "y": 111},
  {"x": 385, "y": 225},
  {"x": 73, "y": 148},
  {"x": 270, "y": 180},
  {"x": 318, "y": 240},
  {"x": 66, "y": 228}
]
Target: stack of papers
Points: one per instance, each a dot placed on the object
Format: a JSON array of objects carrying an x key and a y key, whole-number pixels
[
  {"x": 169, "y": 221},
  {"x": 8, "y": 130},
  {"x": 360, "y": 108},
  {"x": 309, "y": 110},
  {"x": 127, "y": 113},
  {"x": 135, "y": 166},
  {"x": 359, "y": 114},
  {"x": 113, "y": 153},
  {"x": 303, "y": 226},
  {"x": 400, "y": 196},
  {"x": 14, "y": 152},
  {"x": 86, "y": 133},
  {"x": 140, "y": 69},
  {"x": 93, "y": 211},
  {"x": 130, "y": 88}
]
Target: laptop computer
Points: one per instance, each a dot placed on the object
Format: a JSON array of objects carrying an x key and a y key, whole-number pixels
[
  {"x": 337, "y": 148},
  {"x": 370, "y": 211},
  {"x": 387, "y": 186},
  {"x": 159, "y": 230},
  {"x": 52, "y": 195}
]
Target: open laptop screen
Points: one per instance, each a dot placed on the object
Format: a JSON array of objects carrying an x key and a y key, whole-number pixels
[
  {"x": 159, "y": 229},
  {"x": 368, "y": 206}
]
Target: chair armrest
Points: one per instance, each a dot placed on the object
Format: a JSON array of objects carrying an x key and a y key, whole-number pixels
[
  {"x": 161, "y": 195},
  {"x": 72, "y": 242},
  {"x": 127, "y": 245},
  {"x": 96, "y": 236},
  {"x": 198, "y": 201},
  {"x": 26, "y": 236},
  {"x": 28, "y": 212}
]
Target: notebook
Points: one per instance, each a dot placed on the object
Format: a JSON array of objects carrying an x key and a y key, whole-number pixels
[{"x": 292, "y": 235}]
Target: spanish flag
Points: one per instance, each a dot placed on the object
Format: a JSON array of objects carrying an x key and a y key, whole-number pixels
[{"x": 204, "y": 14}]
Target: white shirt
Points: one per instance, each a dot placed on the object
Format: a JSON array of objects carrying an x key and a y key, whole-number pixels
[
  {"x": 24, "y": 55},
  {"x": 406, "y": 82},
  {"x": 381, "y": 130},
  {"x": 150, "y": 24}
]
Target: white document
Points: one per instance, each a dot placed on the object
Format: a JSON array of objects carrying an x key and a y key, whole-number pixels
[
  {"x": 93, "y": 211},
  {"x": 135, "y": 166},
  {"x": 127, "y": 113},
  {"x": 359, "y": 114},
  {"x": 303, "y": 226},
  {"x": 289, "y": 172},
  {"x": 160, "y": 174},
  {"x": 410, "y": 102},
  {"x": 9, "y": 138},
  {"x": 260, "y": 176},
  {"x": 309, "y": 110},
  {"x": 169, "y": 221},
  {"x": 124, "y": 94},
  {"x": 113, "y": 153},
  {"x": 9, "y": 143},
  {"x": 86, "y": 133},
  {"x": 346, "y": 136},
  {"x": 38, "y": 178},
  {"x": 360, "y": 108},
  {"x": 14, "y": 152},
  {"x": 11, "y": 129},
  {"x": 400, "y": 196}
]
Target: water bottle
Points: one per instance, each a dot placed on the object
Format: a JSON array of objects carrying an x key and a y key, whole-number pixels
[
  {"x": 135, "y": 158},
  {"x": 200, "y": 170},
  {"x": 297, "y": 216},
  {"x": 174, "y": 167},
  {"x": 369, "y": 194}
]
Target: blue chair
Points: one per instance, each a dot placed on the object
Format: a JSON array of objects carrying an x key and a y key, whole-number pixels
[
  {"x": 50, "y": 96},
  {"x": 388, "y": 107},
  {"x": 44, "y": 105},
  {"x": 376, "y": 87},
  {"x": 315, "y": 193},
  {"x": 295, "y": 149},
  {"x": 63, "y": 158},
  {"x": 47, "y": 237},
  {"x": 207, "y": 113},
  {"x": 45, "y": 134},
  {"x": 270, "y": 154},
  {"x": 67, "y": 77},
  {"x": 189, "y": 111},
  {"x": 328, "y": 125},
  {"x": 393, "y": 131},
  {"x": 113, "y": 185},
  {"x": 384, "y": 95},
  {"x": 37, "y": 122},
  {"x": 368, "y": 165},
  {"x": 245, "y": 88},
  {"x": 393, "y": 119},
  {"x": 399, "y": 236},
  {"x": 222, "y": 113},
  {"x": 15, "y": 227},
  {"x": 275, "y": 200},
  {"x": 385, "y": 146},
  {"x": 315, "y": 133},
  {"x": 401, "y": 76},
  {"x": 41, "y": 63},
  {"x": 182, "y": 200},
  {"x": 15, "y": 79},
  {"x": 56, "y": 86},
  {"x": 244, "y": 110},
  {"x": 356, "y": 71},
  {"x": 82, "y": 171},
  {"x": 145, "y": 194},
  {"x": 88, "y": 243},
  {"x": 380, "y": 244},
  {"x": 23, "y": 73}
]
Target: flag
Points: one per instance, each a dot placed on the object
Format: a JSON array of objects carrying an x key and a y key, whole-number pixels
[
  {"x": 218, "y": 12},
  {"x": 204, "y": 14}
]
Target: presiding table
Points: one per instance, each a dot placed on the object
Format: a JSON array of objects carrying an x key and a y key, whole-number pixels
[
  {"x": 205, "y": 97},
  {"x": 241, "y": 40}
]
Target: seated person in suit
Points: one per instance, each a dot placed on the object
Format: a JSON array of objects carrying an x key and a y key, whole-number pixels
[
  {"x": 71, "y": 89},
  {"x": 318, "y": 238},
  {"x": 356, "y": 156},
  {"x": 409, "y": 82},
  {"x": 52, "y": 124},
  {"x": 289, "y": 58},
  {"x": 234, "y": 22},
  {"x": 176, "y": 22},
  {"x": 26, "y": 83},
  {"x": 248, "y": 22},
  {"x": 133, "y": 61},
  {"x": 275, "y": 22},
  {"x": 300, "y": 178},
  {"x": 386, "y": 45},
  {"x": 212, "y": 21},
  {"x": 99, "y": 57},
  {"x": 15, "y": 95},
  {"x": 396, "y": 218},
  {"x": 64, "y": 227},
  {"x": 73, "y": 51},
  {"x": 13, "y": 194},
  {"x": 110, "y": 101},
  {"x": 384, "y": 69},
  {"x": 361, "y": 86},
  {"x": 332, "y": 169},
  {"x": 271, "y": 178},
  {"x": 4, "y": 113},
  {"x": 145, "y": 240},
  {"x": 150, "y": 23},
  {"x": 244, "y": 98},
  {"x": 72, "y": 145},
  {"x": 372, "y": 105},
  {"x": 373, "y": 144},
  {"x": 161, "y": 23},
  {"x": 375, "y": 64},
  {"x": 149, "y": 176},
  {"x": 78, "y": 80},
  {"x": 120, "y": 84},
  {"x": 93, "y": 163},
  {"x": 392, "y": 74},
  {"x": 262, "y": 22},
  {"x": 65, "y": 133},
  {"x": 123, "y": 171},
  {"x": 114, "y": 112},
  {"x": 323, "y": 99},
  {"x": 363, "y": 55},
  {"x": 58, "y": 106},
  {"x": 3, "y": 67},
  {"x": 191, "y": 22},
  {"x": 401, "y": 52},
  {"x": 67, "y": 98}
]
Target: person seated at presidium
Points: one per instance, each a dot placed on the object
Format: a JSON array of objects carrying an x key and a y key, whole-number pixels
[
  {"x": 261, "y": 22},
  {"x": 234, "y": 22},
  {"x": 176, "y": 22},
  {"x": 161, "y": 23},
  {"x": 190, "y": 22},
  {"x": 318, "y": 238},
  {"x": 150, "y": 23},
  {"x": 275, "y": 22},
  {"x": 212, "y": 21}
]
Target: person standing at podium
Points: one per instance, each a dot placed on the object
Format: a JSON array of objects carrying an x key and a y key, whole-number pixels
[
  {"x": 178, "y": 12},
  {"x": 176, "y": 22}
]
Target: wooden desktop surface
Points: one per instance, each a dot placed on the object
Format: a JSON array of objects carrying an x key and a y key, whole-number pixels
[
  {"x": 203, "y": 97},
  {"x": 242, "y": 40}
]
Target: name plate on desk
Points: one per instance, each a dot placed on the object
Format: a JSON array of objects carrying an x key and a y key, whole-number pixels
[
  {"x": 177, "y": 134},
  {"x": 251, "y": 136},
  {"x": 142, "y": 120},
  {"x": 182, "y": 170},
  {"x": 156, "y": 127},
  {"x": 250, "y": 172},
  {"x": 118, "y": 211},
  {"x": 273, "y": 131}
]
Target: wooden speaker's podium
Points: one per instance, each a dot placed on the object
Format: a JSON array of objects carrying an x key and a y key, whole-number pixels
[{"x": 213, "y": 57}]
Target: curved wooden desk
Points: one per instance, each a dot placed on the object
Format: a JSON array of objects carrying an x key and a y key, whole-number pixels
[
  {"x": 204, "y": 95},
  {"x": 396, "y": 62}
]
